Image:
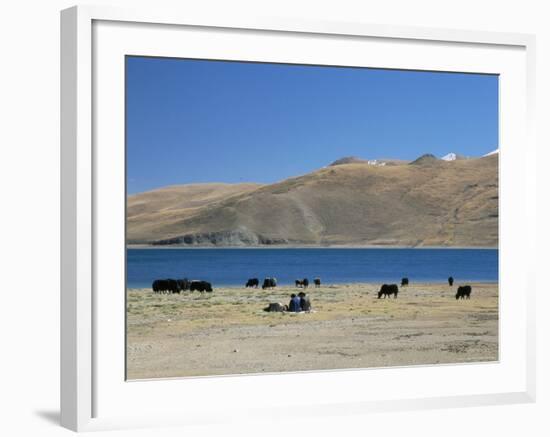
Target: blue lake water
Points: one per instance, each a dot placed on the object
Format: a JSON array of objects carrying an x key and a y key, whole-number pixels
[{"x": 235, "y": 266}]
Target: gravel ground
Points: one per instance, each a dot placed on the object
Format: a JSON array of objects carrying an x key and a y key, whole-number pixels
[{"x": 227, "y": 332}]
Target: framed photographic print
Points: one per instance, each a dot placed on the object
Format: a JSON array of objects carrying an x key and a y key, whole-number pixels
[{"x": 252, "y": 205}]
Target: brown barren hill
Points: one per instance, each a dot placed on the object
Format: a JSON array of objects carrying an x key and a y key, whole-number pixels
[
  {"x": 149, "y": 214},
  {"x": 428, "y": 202}
]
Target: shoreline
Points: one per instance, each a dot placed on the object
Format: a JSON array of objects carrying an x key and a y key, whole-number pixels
[
  {"x": 331, "y": 285},
  {"x": 278, "y": 246}
]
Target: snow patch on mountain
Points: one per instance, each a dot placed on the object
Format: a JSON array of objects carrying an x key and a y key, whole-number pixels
[
  {"x": 494, "y": 152},
  {"x": 449, "y": 157}
]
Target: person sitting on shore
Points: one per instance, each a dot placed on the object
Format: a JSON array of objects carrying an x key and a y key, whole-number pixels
[
  {"x": 294, "y": 305},
  {"x": 305, "y": 303}
]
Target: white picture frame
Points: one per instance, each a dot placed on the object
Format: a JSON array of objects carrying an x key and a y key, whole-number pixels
[{"x": 94, "y": 394}]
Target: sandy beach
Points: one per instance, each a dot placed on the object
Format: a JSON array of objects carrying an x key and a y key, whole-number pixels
[{"x": 227, "y": 331}]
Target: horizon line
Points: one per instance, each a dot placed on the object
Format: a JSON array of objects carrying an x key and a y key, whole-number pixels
[{"x": 359, "y": 159}]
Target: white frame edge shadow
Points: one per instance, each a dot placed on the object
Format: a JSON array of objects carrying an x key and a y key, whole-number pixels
[{"x": 77, "y": 198}]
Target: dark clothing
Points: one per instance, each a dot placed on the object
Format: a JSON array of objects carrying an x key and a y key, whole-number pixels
[
  {"x": 275, "y": 308},
  {"x": 294, "y": 305},
  {"x": 305, "y": 303}
]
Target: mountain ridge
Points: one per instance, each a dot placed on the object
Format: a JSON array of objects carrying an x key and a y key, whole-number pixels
[{"x": 432, "y": 203}]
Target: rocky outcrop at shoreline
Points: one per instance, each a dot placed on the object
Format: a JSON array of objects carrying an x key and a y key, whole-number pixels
[{"x": 222, "y": 238}]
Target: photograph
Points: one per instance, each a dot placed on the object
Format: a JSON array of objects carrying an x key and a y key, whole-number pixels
[{"x": 294, "y": 217}]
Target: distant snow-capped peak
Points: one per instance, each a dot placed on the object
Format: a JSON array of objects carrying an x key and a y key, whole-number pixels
[
  {"x": 376, "y": 162},
  {"x": 491, "y": 153},
  {"x": 449, "y": 157}
]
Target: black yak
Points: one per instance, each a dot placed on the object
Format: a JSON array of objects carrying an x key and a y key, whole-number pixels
[
  {"x": 276, "y": 308},
  {"x": 387, "y": 290},
  {"x": 404, "y": 281},
  {"x": 158, "y": 285},
  {"x": 172, "y": 286},
  {"x": 165, "y": 286},
  {"x": 451, "y": 281},
  {"x": 183, "y": 284},
  {"x": 463, "y": 291},
  {"x": 269, "y": 283},
  {"x": 252, "y": 283},
  {"x": 317, "y": 282},
  {"x": 201, "y": 286}
]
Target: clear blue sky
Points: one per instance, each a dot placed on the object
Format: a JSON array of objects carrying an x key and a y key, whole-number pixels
[{"x": 194, "y": 121}]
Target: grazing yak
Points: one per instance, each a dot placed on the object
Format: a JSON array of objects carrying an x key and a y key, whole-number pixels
[
  {"x": 317, "y": 282},
  {"x": 304, "y": 283},
  {"x": 463, "y": 291},
  {"x": 170, "y": 285},
  {"x": 252, "y": 283},
  {"x": 387, "y": 290},
  {"x": 158, "y": 285},
  {"x": 451, "y": 280},
  {"x": 183, "y": 284},
  {"x": 165, "y": 286},
  {"x": 269, "y": 283},
  {"x": 404, "y": 281},
  {"x": 201, "y": 286},
  {"x": 276, "y": 308}
]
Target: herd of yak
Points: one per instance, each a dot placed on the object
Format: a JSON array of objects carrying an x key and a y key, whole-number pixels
[
  {"x": 179, "y": 285},
  {"x": 272, "y": 283},
  {"x": 387, "y": 290}
]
